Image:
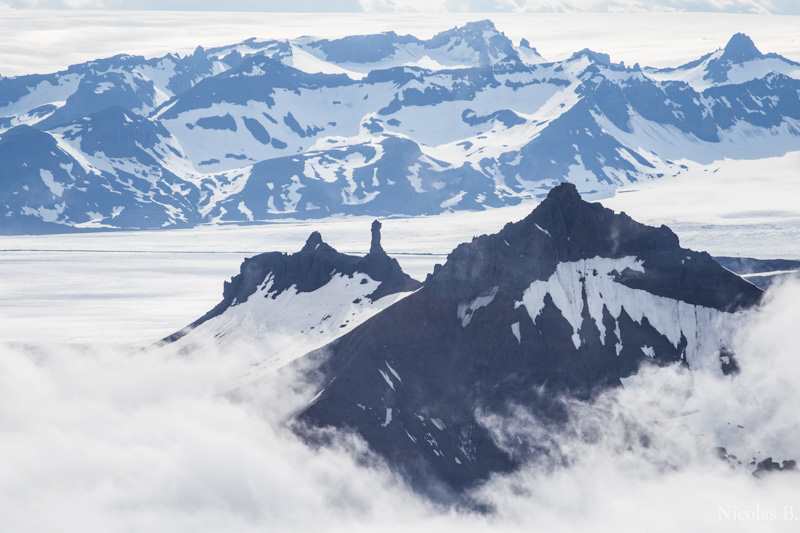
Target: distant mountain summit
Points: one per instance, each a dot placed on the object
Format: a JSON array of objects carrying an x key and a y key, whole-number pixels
[
  {"x": 568, "y": 301},
  {"x": 740, "y": 61},
  {"x": 475, "y": 44},
  {"x": 740, "y": 48},
  {"x": 292, "y": 303}
]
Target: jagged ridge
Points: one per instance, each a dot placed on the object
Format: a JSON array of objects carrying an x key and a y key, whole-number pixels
[{"x": 307, "y": 270}]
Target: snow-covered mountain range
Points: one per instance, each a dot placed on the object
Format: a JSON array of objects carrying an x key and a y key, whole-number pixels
[{"x": 381, "y": 124}]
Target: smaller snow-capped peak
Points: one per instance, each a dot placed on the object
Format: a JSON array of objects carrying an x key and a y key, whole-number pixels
[
  {"x": 739, "y": 61},
  {"x": 479, "y": 37},
  {"x": 529, "y": 54},
  {"x": 315, "y": 295},
  {"x": 740, "y": 48},
  {"x": 592, "y": 56}
]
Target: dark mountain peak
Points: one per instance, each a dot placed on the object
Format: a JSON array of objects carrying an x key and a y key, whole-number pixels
[
  {"x": 563, "y": 202},
  {"x": 375, "y": 242},
  {"x": 595, "y": 57},
  {"x": 479, "y": 25},
  {"x": 313, "y": 242},
  {"x": 586, "y": 229},
  {"x": 526, "y": 44},
  {"x": 474, "y": 32},
  {"x": 741, "y": 48},
  {"x": 563, "y": 194}
]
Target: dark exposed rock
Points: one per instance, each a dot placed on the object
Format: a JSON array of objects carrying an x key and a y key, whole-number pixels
[
  {"x": 769, "y": 465},
  {"x": 412, "y": 380}
]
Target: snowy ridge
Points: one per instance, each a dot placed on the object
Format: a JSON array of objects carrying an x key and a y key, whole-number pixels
[{"x": 381, "y": 124}]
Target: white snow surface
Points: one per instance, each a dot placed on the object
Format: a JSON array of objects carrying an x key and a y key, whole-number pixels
[
  {"x": 291, "y": 323},
  {"x": 466, "y": 311}
]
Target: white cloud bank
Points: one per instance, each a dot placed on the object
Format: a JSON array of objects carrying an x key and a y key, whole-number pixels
[
  {"x": 728, "y": 6},
  {"x": 95, "y": 441}
]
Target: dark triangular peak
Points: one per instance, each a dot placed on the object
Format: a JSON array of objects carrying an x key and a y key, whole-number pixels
[
  {"x": 567, "y": 301},
  {"x": 740, "y": 48},
  {"x": 315, "y": 245},
  {"x": 307, "y": 270},
  {"x": 565, "y": 228}
]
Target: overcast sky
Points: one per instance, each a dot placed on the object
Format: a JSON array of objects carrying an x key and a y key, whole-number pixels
[{"x": 731, "y": 6}]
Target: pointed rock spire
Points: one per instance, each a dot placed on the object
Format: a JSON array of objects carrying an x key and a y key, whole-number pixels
[{"x": 375, "y": 244}]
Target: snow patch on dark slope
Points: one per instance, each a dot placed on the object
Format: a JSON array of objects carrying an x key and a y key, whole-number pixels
[
  {"x": 568, "y": 301},
  {"x": 292, "y": 303}
]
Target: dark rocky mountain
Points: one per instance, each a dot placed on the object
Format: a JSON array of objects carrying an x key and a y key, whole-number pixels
[
  {"x": 568, "y": 301},
  {"x": 317, "y": 292}
]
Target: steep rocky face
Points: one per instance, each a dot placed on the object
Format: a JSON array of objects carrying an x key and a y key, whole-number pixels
[
  {"x": 567, "y": 301},
  {"x": 307, "y": 298}
]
